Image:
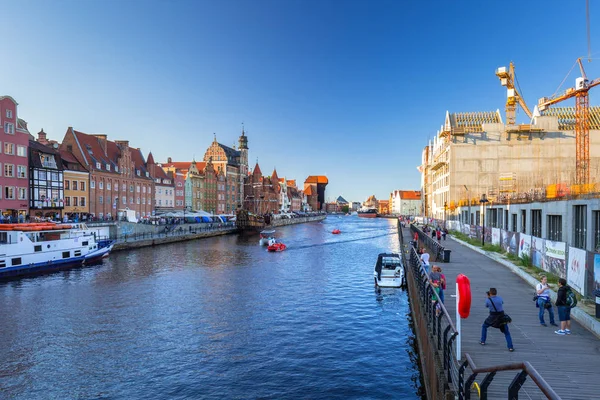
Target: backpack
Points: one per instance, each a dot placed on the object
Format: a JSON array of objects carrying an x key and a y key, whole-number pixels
[{"x": 571, "y": 298}]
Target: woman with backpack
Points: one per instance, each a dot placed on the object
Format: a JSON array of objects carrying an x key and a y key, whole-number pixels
[{"x": 564, "y": 302}]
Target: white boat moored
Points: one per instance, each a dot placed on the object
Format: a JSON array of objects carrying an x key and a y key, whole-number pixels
[{"x": 389, "y": 271}]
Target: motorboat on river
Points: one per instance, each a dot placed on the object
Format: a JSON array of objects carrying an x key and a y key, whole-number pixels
[
  {"x": 336, "y": 231},
  {"x": 389, "y": 271},
  {"x": 34, "y": 248},
  {"x": 266, "y": 238},
  {"x": 276, "y": 247}
]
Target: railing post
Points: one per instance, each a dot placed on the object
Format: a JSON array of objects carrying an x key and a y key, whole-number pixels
[
  {"x": 439, "y": 331},
  {"x": 449, "y": 352},
  {"x": 446, "y": 360},
  {"x": 468, "y": 385},
  {"x": 516, "y": 384},
  {"x": 461, "y": 379},
  {"x": 484, "y": 385}
]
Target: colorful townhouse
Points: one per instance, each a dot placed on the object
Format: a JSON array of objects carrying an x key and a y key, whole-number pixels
[
  {"x": 14, "y": 176},
  {"x": 119, "y": 179},
  {"x": 164, "y": 187}
]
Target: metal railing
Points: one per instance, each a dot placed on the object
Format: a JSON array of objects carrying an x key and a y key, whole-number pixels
[
  {"x": 429, "y": 242},
  {"x": 441, "y": 338}
]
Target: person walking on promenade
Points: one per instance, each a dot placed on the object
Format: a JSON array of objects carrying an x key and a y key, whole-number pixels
[
  {"x": 496, "y": 318},
  {"x": 564, "y": 310},
  {"x": 439, "y": 234},
  {"x": 542, "y": 290},
  {"x": 436, "y": 277}
]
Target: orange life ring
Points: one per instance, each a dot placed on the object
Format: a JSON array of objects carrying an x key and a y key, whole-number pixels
[{"x": 464, "y": 293}]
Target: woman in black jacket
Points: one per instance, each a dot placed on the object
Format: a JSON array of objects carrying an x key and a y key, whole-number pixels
[{"x": 564, "y": 311}]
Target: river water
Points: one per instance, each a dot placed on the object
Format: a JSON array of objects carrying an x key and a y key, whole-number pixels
[{"x": 217, "y": 318}]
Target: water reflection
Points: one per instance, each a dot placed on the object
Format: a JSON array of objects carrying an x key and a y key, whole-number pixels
[{"x": 215, "y": 318}]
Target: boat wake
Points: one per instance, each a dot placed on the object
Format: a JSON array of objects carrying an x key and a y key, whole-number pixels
[{"x": 339, "y": 242}]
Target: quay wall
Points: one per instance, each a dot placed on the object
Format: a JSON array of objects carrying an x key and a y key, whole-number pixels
[{"x": 130, "y": 235}]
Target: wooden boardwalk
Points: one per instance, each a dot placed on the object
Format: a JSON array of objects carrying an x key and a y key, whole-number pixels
[{"x": 570, "y": 364}]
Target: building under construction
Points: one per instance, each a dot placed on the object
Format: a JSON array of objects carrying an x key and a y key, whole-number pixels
[{"x": 477, "y": 153}]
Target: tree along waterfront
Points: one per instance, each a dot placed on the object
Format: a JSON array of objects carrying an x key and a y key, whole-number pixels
[{"x": 216, "y": 318}]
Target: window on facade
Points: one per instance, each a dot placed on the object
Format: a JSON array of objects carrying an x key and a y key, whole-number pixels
[
  {"x": 100, "y": 200},
  {"x": 82, "y": 186},
  {"x": 579, "y": 226},
  {"x": 108, "y": 186},
  {"x": 131, "y": 200},
  {"x": 143, "y": 189},
  {"x": 9, "y": 148},
  {"x": 523, "y": 220},
  {"x": 596, "y": 238},
  {"x": 116, "y": 168},
  {"x": 9, "y": 128},
  {"x": 138, "y": 200},
  {"x": 100, "y": 185},
  {"x": 75, "y": 185},
  {"x": 8, "y": 113},
  {"x": 536, "y": 223},
  {"x": 554, "y": 228},
  {"x": 131, "y": 188},
  {"x": 67, "y": 201},
  {"x": 21, "y": 151},
  {"x": 108, "y": 167},
  {"x": 48, "y": 161},
  {"x": 149, "y": 190},
  {"x": 22, "y": 193},
  {"x": 98, "y": 166},
  {"x": 513, "y": 226},
  {"x": 9, "y": 192},
  {"x": 9, "y": 170},
  {"x": 124, "y": 200},
  {"x": 138, "y": 188},
  {"x": 67, "y": 184},
  {"x": 108, "y": 199},
  {"x": 21, "y": 171},
  {"x": 75, "y": 201},
  {"x": 92, "y": 184},
  {"x": 137, "y": 172}
]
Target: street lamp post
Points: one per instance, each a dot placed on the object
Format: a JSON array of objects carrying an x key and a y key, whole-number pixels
[{"x": 483, "y": 200}]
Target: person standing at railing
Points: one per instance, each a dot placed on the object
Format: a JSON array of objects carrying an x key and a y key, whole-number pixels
[
  {"x": 542, "y": 290},
  {"x": 496, "y": 318},
  {"x": 425, "y": 260}
]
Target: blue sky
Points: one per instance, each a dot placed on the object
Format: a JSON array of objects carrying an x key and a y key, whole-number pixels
[{"x": 349, "y": 89}]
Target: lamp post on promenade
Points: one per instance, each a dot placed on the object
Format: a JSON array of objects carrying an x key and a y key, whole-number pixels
[
  {"x": 483, "y": 200},
  {"x": 469, "y": 199}
]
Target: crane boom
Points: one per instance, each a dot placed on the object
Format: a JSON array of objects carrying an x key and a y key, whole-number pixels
[
  {"x": 507, "y": 78},
  {"x": 582, "y": 122}
]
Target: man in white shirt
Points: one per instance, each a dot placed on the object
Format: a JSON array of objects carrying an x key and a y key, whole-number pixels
[{"x": 543, "y": 301}]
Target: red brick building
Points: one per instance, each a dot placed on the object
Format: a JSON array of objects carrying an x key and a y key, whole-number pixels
[
  {"x": 314, "y": 189},
  {"x": 119, "y": 179},
  {"x": 261, "y": 195}
]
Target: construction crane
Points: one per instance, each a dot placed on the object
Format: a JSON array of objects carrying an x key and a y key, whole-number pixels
[
  {"x": 507, "y": 78},
  {"x": 582, "y": 122}
]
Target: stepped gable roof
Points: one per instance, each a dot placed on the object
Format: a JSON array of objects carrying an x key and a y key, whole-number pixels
[
  {"x": 317, "y": 179},
  {"x": 410, "y": 194},
  {"x": 340, "y": 199},
  {"x": 566, "y": 117},
  {"x": 308, "y": 191}
]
